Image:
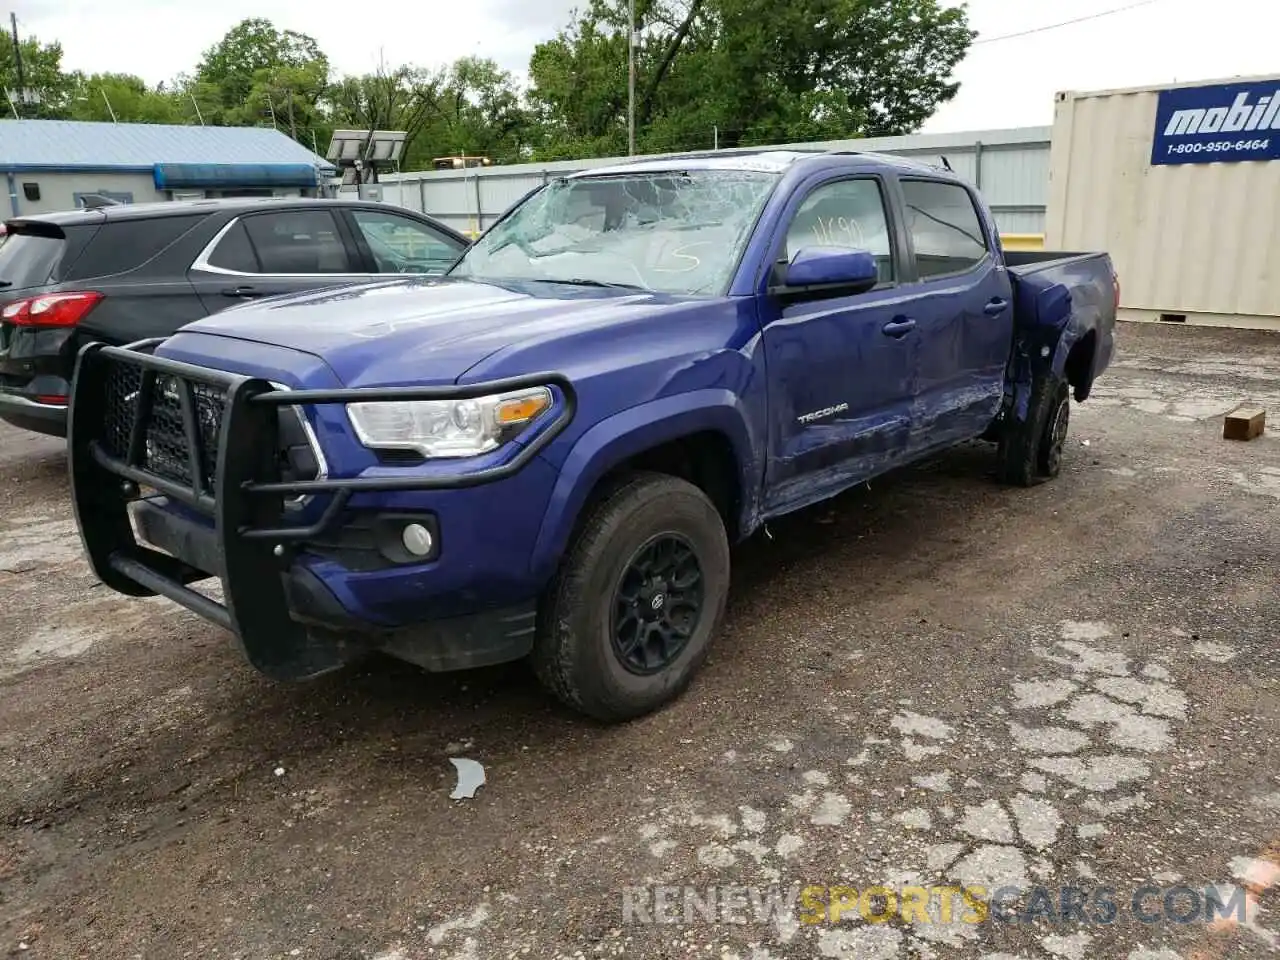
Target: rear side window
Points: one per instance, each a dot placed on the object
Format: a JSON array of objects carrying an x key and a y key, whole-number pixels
[
  {"x": 944, "y": 225},
  {"x": 123, "y": 245},
  {"x": 298, "y": 242},
  {"x": 27, "y": 260},
  {"x": 234, "y": 251}
]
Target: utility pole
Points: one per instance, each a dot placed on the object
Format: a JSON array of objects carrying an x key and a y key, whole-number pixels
[
  {"x": 631, "y": 78},
  {"x": 199, "y": 115},
  {"x": 110, "y": 109},
  {"x": 17, "y": 58}
]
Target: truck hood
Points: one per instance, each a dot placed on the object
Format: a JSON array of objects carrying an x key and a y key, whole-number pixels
[{"x": 422, "y": 330}]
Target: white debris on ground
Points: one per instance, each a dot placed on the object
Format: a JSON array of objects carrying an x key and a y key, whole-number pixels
[{"x": 470, "y": 778}]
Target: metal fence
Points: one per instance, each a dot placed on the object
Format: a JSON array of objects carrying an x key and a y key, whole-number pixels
[{"x": 1011, "y": 167}]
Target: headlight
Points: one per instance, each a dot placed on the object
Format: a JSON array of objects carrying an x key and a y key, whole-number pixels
[{"x": 447, "y": 428}]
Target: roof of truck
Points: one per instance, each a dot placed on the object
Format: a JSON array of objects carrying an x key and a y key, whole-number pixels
[{"x": 763, "y": 161}]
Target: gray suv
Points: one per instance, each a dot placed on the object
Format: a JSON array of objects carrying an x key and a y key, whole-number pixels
[{"x": 123, "y": 273}]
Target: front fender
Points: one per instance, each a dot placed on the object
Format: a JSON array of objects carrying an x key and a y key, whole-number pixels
[{"x": 632, "y": 431}]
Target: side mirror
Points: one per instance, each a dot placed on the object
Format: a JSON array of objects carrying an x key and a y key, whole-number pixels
[{"x": 852, "y": 271}]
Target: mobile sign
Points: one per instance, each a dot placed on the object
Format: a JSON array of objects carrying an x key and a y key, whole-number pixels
[{"x": 1225, "y": 123}]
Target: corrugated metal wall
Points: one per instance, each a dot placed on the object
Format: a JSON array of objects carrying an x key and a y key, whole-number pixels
[
  {"x": 1198, "y": 238},
  {"x": 1010, "y": 167}
]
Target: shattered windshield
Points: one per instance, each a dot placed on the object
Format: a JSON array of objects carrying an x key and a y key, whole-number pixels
[{"x": 671, "y": 231}]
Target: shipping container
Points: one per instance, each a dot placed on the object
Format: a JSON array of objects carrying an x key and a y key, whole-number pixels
[{"x": 1181, "y": 185}]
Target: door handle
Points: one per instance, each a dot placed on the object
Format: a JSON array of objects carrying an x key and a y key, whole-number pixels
[
  {"x": 898, "y": 328},
  {"x": 242, "y": 292},
  {"x": 995, "y": 307}
]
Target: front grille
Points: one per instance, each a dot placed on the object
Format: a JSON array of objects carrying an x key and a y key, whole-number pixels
[{"x": 165, "y": 451}]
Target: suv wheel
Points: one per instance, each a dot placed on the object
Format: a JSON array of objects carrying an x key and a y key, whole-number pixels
[{"x": 629, "y": 618}]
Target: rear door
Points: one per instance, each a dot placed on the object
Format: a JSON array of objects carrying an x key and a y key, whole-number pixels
[
  {"x": 962, "y": 302},
  {"x": 273, "y": 252}
]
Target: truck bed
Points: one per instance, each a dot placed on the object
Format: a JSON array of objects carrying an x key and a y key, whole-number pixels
[
  {"x": 1030, "y": 260},
  {"x": 1052, "y": 288},
  {"x": 1060, "y": 299}
]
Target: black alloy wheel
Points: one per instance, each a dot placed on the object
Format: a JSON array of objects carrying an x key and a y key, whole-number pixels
[{"x": 657, "y": 604}]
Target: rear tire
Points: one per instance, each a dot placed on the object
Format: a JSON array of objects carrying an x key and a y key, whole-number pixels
[
  {"x": 1030, "y": 452},
  {"x": 629, "y": 618}
]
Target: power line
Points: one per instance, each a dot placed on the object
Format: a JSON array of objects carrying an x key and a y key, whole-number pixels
[{"x": 1065, "y": 23}]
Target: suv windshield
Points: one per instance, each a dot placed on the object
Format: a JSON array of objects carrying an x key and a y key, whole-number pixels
[{"x": 671, "y": 231}]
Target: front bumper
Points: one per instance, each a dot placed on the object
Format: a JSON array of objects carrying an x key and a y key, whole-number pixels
[{"x": 226, "y": 515}]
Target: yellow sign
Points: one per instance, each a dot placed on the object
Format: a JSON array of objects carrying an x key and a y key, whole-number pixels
[{"x": 880, "y": 904}]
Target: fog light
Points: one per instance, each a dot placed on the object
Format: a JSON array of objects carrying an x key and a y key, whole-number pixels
[{"x": 417, "y": 539}]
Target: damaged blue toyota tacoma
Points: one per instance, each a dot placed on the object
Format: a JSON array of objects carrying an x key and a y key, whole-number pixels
[{"x": 547, "y": 452}]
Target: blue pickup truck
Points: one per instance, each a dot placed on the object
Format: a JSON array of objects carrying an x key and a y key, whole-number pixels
[{"x": 546, "y": 453}]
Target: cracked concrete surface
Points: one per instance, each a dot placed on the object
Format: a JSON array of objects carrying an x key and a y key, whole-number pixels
[{"x": 951, "y": 682}]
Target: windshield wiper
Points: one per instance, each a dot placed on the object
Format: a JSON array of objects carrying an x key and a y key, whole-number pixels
[{"x": 584, "y": 282}]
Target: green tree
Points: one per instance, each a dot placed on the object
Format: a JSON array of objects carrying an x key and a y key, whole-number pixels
[
  {"x": 473, "y": 107},
  {"x": 755, "y": 71},
  {"x": 480, "y": 115},
  {"x": 256, "y": 75},
  {"x": 121, "y": 97},
  {"x": 41, "y": 73},
  {"x": 578, "y": 95},
  {"x": 406, "y": 98}
]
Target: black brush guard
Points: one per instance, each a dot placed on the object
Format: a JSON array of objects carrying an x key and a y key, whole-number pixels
[{"x": 209, "y": 440}]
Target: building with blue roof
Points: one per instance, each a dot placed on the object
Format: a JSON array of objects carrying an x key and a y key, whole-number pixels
[{"x": 50, "y": 165}]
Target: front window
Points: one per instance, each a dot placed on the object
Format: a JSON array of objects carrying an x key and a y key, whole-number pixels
[
  {"x": 670, "y": 231},
  {"x": 401, "y": 245}
]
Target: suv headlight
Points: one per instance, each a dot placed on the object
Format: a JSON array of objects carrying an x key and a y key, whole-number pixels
[{"x": 448, "y": 428}]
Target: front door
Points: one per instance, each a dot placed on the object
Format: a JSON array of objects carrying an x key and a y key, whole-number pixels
[
  {"x": 841, "y": 370},
  {"x": 963, "y": 305},
  {"x": 281, "y": 251}
]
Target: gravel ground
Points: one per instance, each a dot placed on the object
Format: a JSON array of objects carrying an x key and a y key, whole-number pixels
[{"x": 935, "y": 680}]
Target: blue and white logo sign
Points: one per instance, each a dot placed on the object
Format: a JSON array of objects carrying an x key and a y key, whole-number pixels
[{"x": 1226, "y": 123}]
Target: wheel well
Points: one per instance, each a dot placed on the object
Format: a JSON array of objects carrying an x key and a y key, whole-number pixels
[
  {"x": 1079, "y": 365},
  {"x": 705, "y": 459}
]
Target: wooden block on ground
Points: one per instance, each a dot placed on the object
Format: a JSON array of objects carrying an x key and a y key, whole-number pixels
[{"x": 1244, "y": 423}]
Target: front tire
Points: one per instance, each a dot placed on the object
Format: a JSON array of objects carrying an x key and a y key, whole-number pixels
[
  {"x": 1031, "y": 451},
  {"x": 629, "y": 618}
]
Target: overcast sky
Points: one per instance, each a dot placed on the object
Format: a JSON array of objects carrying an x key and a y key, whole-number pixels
[{"x": 1005, "y": 83}]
